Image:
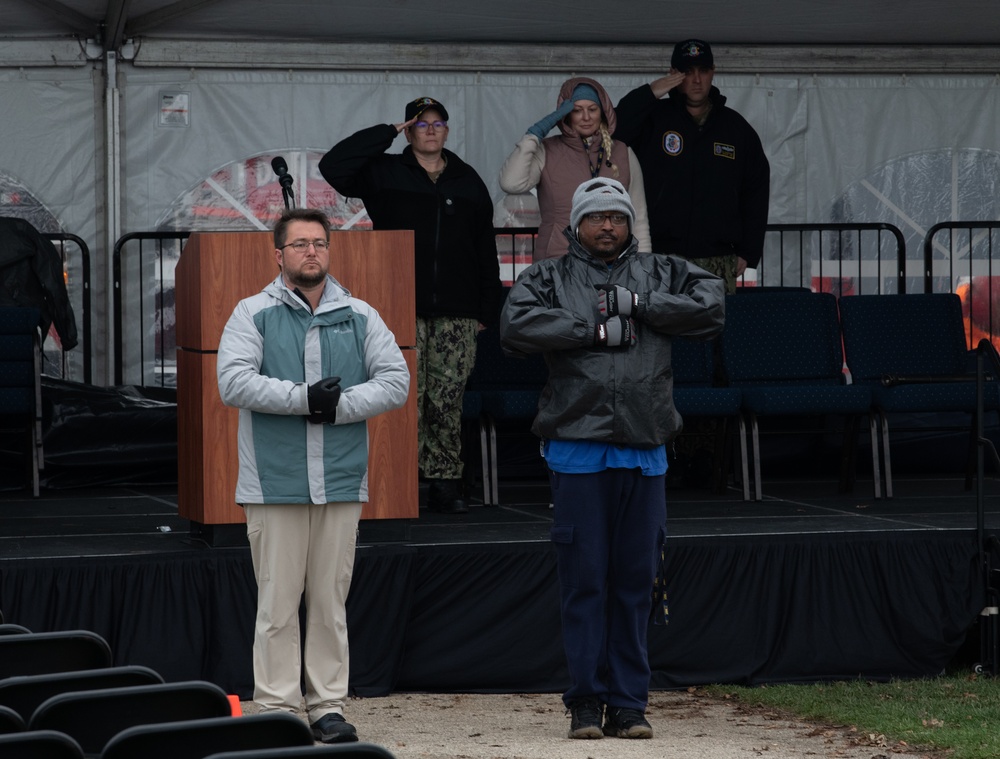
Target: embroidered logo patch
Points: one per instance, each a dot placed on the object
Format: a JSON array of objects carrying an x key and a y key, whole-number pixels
[
  {"x": 673, "y": 143},
  {"x": 725, "y": 151}
]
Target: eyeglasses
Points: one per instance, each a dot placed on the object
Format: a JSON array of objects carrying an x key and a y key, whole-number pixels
[
  {"x": 301, "y": 246},
  {"x": 598, "y": 219},
  {"x": 422, "y": 125}
]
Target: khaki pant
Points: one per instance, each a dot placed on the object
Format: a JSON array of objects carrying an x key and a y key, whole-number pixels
[{"x": 296, "y": 549}]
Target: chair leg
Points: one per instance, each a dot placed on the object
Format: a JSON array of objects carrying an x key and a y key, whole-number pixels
[
  {"x": 486, "y": 458},
  {"x": 876, "y": 470},
  {"x": 745, "y": 469},
  {"x": 34, "y": 452},
  {"x": 886, "y": 453},
  {"x": 755, "y": 434},
  {"x": 491, "y": 477}
]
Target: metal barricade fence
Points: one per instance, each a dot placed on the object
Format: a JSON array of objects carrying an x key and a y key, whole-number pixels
[
  {"x": 843, "y": 259},
  {"x": 143, "y": 280},
  {"x": 516, "y": 249},
  {"x": 75, "y": 257},
  {"x": 963, "y": 257}
]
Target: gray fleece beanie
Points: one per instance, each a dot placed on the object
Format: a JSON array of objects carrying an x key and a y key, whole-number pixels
[{"x": 601, "y": 195}]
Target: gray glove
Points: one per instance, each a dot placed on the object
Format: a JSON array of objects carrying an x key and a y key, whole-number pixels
[
  {"x": 616, "y": 332},
  {"x": 323, "y": 399},
  {"x": 543, "y": 126},
  {"x": 613, "y": 300}
]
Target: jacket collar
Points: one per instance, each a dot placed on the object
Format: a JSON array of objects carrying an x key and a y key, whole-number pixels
[
  {"x": 454, "y": 165},
  {"x": 578, "y": 251},
  {"x": 717, "y": 98},
  {"x": 335, "y": 295}
]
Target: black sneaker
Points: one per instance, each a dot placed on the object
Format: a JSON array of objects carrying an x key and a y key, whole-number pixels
[
  {"x": 626, "y": 723},
  {"x": 333, "y": 728},
  {"x": 585, "y": 719}
]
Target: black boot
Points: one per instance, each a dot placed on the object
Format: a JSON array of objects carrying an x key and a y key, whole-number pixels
[{"x": 446, "y": 496}]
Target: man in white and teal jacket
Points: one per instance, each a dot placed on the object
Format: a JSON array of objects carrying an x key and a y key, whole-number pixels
[{"x": 307, "y": 365}]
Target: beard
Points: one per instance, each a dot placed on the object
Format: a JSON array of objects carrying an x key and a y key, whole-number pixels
[
  {"x": 607, "y": 247},
  {"x": 302, "y": 278}
]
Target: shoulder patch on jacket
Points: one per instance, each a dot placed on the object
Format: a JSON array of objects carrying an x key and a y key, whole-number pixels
[{"x": 725, "y": 151}]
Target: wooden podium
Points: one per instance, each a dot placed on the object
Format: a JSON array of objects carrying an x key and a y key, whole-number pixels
[{"x": 215, "y": 271}]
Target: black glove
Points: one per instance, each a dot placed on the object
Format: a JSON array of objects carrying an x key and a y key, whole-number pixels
[
  {"x": 616, "y": 332},
  {"x": 323, "y": 398},
  {"x": 613, "y": 300}
]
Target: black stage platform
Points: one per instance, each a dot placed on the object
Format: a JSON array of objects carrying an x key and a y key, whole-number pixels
[{"x": 806, "y": 585}]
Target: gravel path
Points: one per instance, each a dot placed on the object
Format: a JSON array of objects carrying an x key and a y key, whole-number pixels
[{"x": 686, "y": 725}]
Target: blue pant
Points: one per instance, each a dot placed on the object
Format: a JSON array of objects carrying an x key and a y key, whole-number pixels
[{"x": 608, "y": 528}]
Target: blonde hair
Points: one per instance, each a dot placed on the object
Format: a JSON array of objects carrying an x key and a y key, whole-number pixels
[{"x": 607, "y": 143}]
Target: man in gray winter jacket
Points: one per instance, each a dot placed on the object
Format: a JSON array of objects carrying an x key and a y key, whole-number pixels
[{"x": 603, "y": 317}]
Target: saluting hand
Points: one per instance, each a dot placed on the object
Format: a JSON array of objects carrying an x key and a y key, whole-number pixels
[
  {"x": 664, "y": 84},
  {"x": 406, "y": 124}
]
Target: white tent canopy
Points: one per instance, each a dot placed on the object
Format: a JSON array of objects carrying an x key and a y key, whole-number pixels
[{"x": 120, "y": 113}]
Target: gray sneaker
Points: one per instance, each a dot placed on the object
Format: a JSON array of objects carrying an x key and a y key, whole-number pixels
[
  {"x": 585, "y": 719},
  {"x": 333, "y": 728},
  {"x": 626, "y": 723}
]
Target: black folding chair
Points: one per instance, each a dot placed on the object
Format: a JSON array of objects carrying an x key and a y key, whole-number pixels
[
  {"x": 10, "y": 721},
  {"x": 92, "y": 718},
  {"x": 26, "y": 693},
  {"x": 198, "y": 739},
  {"x": 45, "y": 744},
  {"x": 40, "y": 653}
]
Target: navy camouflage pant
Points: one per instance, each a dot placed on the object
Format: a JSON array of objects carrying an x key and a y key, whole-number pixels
[{"x": 446, "y": 353}]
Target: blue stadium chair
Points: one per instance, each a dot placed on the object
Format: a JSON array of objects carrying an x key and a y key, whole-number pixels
[
  {"x": 783, "y": 350},
  {"x": 911, "y": 352},
  {"x": 695, "y": 395},
  {"x": 508, "y": 390},
  {"x": 472, "y": 417}
]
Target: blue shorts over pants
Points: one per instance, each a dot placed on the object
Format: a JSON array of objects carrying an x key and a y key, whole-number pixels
[{"x": 607, "y": 529}]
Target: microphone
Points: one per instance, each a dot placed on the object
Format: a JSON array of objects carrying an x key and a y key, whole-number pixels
[{"x": 281, "y": 169}]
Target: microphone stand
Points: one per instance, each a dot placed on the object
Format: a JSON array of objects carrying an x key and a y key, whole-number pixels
[{"x": 286, "y": 191}]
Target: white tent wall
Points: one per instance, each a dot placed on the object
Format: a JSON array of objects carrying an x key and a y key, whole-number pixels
[
  {"x": 910, "y": 151},
  {"x": 237, "y": 114},
  {"x": 52, "y": 168},
  {"x": 865, "y": 144}
]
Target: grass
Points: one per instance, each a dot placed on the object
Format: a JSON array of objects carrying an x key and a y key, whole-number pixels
[{"x": 954, "y": 714}]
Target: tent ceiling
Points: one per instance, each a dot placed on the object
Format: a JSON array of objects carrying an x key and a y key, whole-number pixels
[{"x": 775, "y": 23}]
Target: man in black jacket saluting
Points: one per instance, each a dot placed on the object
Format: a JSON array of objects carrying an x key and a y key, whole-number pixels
[{"x": 706, "y": 176}]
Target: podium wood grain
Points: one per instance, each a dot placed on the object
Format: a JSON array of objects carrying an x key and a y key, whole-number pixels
[{"x": 216, "y": 271}]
